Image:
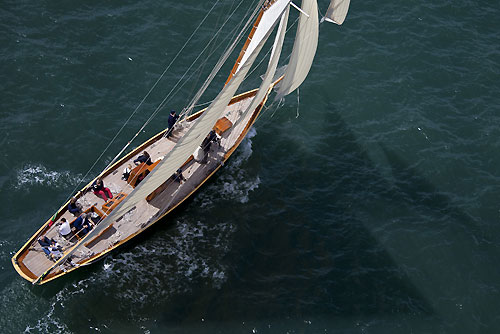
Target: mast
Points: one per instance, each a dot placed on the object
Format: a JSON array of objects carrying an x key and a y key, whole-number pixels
[
  {"x": 245, "y": 46},
  {"x": 270, "y": 12}
]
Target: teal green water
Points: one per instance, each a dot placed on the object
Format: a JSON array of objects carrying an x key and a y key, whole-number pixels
[{"x": 369, "y": 206}]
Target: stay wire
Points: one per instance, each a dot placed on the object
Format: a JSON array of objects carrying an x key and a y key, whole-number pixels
[
  {"x": 137, "y": 108},
  {"x": 221, "y": 61},
  {"x": 166, "y": 99}
]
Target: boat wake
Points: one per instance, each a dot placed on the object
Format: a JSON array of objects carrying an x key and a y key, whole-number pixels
[
  {"x": 188, "y": 256},
  {"x": 236, "y": 181},
  {"x": 31, "y": 175},
  {"x": 169, "y": 264}
]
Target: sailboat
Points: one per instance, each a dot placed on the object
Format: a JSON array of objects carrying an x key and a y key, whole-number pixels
[{"x": 181, "y": 158}]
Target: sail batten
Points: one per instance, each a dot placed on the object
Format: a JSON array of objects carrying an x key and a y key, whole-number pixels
[
  {"x": 304, "y": 49},
  {"x": 337, "y": 11}
]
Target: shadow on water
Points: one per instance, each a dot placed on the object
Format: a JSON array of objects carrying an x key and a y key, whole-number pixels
[
  {"x": 345, "y": 241},
  {"x": 341, "y": 242},
  {"x": 312, "y": 252},
  {"x": 422, "y": 194},
  {"x": 451, "y": 250}
]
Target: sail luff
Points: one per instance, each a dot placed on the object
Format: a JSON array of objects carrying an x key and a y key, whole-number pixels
[
  {"x": 304, "y": 49},
  {"x": 337, "y": 11}
]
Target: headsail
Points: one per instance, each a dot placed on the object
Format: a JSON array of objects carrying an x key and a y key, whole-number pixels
[
  {"x": 304, "y": 49},
  {"x": 337, "y": 11}
]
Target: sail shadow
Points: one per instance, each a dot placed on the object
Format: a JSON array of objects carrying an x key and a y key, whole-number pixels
[
  {"x": 304, "y": 245},
  {"x": 421, "y": 193}
]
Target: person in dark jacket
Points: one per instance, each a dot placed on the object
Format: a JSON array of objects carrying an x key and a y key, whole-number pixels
[
  {"x": 82, "y": 224},
  {"x": 178, "y": 177},
  {"x": 172, "y": 118},
  {"x": 45, "y": 243},
  {"x": 101, "y": 191},
  {"x": 50, "y": 247},
  {"x": 143, "y": 158},
  {"x": 207, "y": 142},
  {"x": 74, "y": 207}
]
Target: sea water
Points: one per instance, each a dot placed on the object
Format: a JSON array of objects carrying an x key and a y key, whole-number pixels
[{"x": 366, "y": 202}]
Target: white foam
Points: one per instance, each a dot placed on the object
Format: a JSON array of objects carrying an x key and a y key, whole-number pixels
[
  {"x": 39, "y": 175},
  {"x": 173, "y": 262},
  {"x": 236, "y": 182}
]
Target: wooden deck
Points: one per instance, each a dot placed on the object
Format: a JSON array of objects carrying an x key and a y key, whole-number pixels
[{"x": 32, "y": 262}]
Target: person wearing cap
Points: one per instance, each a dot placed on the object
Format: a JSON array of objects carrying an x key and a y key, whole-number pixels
[{"x": 172, "y": 118}]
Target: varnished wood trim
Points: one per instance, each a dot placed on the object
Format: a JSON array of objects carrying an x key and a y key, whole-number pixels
[
  {"x": 17, "y": 258},
  {"x": 245, "y": 46}
]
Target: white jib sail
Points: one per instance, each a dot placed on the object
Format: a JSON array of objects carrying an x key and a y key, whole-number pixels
[
  {"x": 179, "y": 154},
  {"x": 337, "y": 11},
  {"x": 304, "y": 49}
]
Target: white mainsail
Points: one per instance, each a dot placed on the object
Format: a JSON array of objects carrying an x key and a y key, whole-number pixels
[
  {"x": 337, "y": 11},
  {"x": 304, "y": 49},
  {"x": 271, "y": 67},
  {"x": 186, "y": 145},
  {"x": 267, "y": 21}
]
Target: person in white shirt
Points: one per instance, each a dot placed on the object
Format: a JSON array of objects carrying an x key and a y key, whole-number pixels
[{"x": 64, "y": 228}]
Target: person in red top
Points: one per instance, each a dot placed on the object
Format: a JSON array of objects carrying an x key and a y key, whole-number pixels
[{"x": 101, "y": 191}]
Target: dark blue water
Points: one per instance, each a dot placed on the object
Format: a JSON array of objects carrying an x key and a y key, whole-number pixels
[{"x": 367, "y": 204}]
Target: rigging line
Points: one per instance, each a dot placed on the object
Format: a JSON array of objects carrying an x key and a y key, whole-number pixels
[
  {"x": 272, "y": 104},
  {"x": 281, "y": 102},
  {"x": 177, "y": 89},
  {"x": 138, "y": 106},
  {"x": 195, "y": 82},
  {"x": 164, "y": 102},
  {"x": 161, "y": 105},
  {"x": 166, "y": 99},
  {"x": 298, "y": 102},
  {"x": 222, "y": 60},
  {"x": 156, "y": 83},
  {"x": 256, "y": 67}
]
